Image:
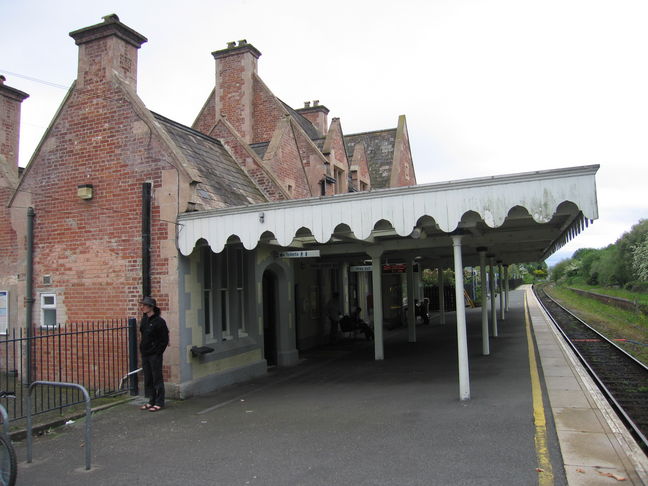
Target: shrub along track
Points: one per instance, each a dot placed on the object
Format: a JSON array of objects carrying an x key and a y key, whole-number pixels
[{"x": 622, "y": 378}]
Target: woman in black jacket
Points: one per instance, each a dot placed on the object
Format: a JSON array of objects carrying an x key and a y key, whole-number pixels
[{"x": 155, "y": 339}]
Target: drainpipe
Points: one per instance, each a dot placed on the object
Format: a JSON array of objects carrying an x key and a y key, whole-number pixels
[
  {"x": 146, "y": 239},
  {"x": 29, "y": 290}
]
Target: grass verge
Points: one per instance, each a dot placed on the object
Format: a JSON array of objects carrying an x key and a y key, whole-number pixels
[
  {"x": 612, "y": 322},
  {"x": 640, "y": 298}
]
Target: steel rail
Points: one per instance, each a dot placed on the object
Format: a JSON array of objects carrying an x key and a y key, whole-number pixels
[{"x": 606, "y": 391}]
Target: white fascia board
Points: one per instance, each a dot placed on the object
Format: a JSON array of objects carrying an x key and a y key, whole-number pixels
[{"x": 540, "y": 193}]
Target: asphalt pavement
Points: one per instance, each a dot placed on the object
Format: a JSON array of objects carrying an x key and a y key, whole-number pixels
[{"x": 337, "y": 418}]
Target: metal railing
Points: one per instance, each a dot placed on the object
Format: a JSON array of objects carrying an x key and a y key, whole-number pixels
[
  {"x": 95, "y": 355},
  {"x": 88, "y": 416}
]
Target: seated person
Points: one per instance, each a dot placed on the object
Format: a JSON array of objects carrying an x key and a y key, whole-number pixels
[
  {"x": 360, "y": 324},
  {"x": 420, "y": 309}
]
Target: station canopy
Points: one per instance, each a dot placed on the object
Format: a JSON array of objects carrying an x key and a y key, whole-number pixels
[{"x": 518, "y": 218}]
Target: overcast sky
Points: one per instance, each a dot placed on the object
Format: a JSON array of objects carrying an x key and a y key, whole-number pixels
[{"x": 488, "y": 87}]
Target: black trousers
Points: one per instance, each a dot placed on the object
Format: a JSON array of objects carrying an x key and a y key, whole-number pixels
[{"x": 153, "y": 379}]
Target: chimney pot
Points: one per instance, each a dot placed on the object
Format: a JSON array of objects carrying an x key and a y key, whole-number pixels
[
  {"x": 231, "y": 45},
  {"x": 109, "y": 19},
  {"x": 315, "y": 102},
  {"x": 242, "y": 42},
  {"x": 306, "y": 104},
  {"x": 2, "y": 79}
]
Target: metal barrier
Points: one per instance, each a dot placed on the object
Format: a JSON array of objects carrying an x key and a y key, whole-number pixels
[{"x": 88, "y": 418}]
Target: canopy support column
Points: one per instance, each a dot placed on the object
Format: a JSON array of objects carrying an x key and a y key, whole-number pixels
[
  {"x": 376, "y": 276},
  {"x": 411, "y": 308},
  {"x": 501, "y": 291},
  {"x": 506, "y": 283},
  {"x": 491, "y": 275},
  {"x": 345, "y": 288},
  {"x": 462, "y": 340},
  {"x": 484, "y": 301},
  {"x": 441, "y": 296}
]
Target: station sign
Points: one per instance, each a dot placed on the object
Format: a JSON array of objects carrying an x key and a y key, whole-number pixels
[
  {"x": 299, "y": 254},
  {"x": 360, "y": 268},
  {"x": 394, "y": 268}
]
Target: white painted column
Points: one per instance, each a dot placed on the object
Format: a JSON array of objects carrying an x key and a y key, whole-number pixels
[
  {"x": 506, "y": 283},
  {"x": 411, "y": 310},
  {"x": 376, "y": 276},
  {"x": 501, "y": 291},
  {"x": 345, "y": 288},
  {"x": 441, "y": 296},
  {"x": 462, "y": 340},
  {"x": 491, "y": 274},
  {"x": 484, "y": 301}
]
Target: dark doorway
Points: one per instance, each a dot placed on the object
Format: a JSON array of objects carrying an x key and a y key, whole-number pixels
[{"x": 270, "y": 317}]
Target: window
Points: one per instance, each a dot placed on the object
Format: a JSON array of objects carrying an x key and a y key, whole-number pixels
[
  {"x": 224, "y": 293},
  {"x": 207, "y": 287},
  {"x": 224, "y": 298},
  {"x": 4, "y": 311},
  {"x": 48, "y": 310},
  {"x": 240, "y": 294}
]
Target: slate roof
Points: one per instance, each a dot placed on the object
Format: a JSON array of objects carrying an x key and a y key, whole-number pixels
[
  {"x": 303, "y": 122},
  {"x": 223, "y": 182},
  {"x": 379, "y": 146}
]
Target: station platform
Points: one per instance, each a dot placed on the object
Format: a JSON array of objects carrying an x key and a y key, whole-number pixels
[{"x": 342, "y": 418}]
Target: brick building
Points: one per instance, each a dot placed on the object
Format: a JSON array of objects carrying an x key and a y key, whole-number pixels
[{"x": 110, "y": 178}]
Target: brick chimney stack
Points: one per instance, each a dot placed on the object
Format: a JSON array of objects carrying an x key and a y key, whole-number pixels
[
  {"x": 10, "y": 102},
  {"x": 316, "y": 114},
  {"x": 104, "y": 48},
  {"x": 234, "y": 93}
]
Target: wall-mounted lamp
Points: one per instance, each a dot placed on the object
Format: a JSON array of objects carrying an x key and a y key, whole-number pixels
[
  {"x": 84, "y": 191},
  {"x": 261, "y": 217}
]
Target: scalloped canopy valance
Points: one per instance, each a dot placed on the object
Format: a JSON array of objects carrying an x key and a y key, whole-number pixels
[{"x": 518, "y": 217}]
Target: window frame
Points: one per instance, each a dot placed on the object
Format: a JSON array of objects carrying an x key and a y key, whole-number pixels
[{"x": 45, "y": 307}]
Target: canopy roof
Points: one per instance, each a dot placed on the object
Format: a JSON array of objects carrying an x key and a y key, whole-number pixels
[{"x": 518, "y": 218}]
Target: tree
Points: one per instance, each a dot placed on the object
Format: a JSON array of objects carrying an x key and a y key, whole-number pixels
[
  {"x": 640, "y": 261},
  {"x": 626, "y": 247}
]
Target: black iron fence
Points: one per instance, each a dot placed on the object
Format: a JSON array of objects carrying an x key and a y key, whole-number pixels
[{"x": 96, "y": 355}]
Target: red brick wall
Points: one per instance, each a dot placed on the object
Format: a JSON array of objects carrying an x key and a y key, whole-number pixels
[
  {"x": 337, "y": 153},
  {"x": 267, "y": 112},
  {"x": 8, "y": 242},
  {"x": 94, "y": 354},
  {"x": 9, "y": 129},
  {"x": 317, "y": 117},
  {"x": 283, "y": 160},
  {"x": 402, "y": 166},
  {"x": 313, "y": 160},
  {"x": 10, "y": 106},
  {"x": 234, "y": 91},
  {"x": 207, "y": 117},
  {"x": 92, "y": 248},
  {"x": 360, "y": 174}
]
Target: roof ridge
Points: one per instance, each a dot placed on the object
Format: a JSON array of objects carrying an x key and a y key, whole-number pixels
[{"x": 371, "y": 131}]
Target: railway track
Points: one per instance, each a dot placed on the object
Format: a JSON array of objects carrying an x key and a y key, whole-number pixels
[{"x": 621, "y": 378}]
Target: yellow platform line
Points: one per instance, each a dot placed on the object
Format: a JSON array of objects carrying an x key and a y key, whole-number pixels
[{"x": 545, "y": 472}]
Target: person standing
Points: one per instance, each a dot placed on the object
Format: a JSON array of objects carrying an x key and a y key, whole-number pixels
[
  {"x": 333, "y": 314},
  {"x": 155, "y": 339}
]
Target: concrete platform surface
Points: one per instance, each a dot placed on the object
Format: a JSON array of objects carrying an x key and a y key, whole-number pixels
[{"x": 342, "y": 418}]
